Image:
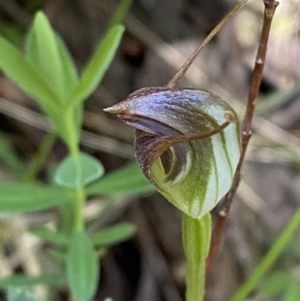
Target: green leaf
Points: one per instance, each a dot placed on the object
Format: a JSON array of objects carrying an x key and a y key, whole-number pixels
[
  {"x": 69, "y": 70},
  {"x": 24, "y": 280},
  {"x": 82, "y": 267},
  {"x": 17, "y": 68},
  {"x": 19, "y": 294},
  {"x": 10, "y": 157},
  {"x": 57, "y": 238},
  {"x": 114, "y": 235},
  {"x": 19, "y": 198},
  {"x": 292, "y": 293},
  {"x": 77, "y": 171},
  {"x": 126, "y": 180},
  {"x": 57, "y": 68},
  {"x": 67, "y": 218},
  {"x": 47, "y": 54},
  {"x": 98, "y": 65},
  {"x": 276, "y": 283},
  {"x": 47, "y": 76}
]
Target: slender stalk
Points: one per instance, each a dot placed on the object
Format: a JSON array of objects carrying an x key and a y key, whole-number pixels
[
  {"x": 73, "y": 146},
  {"x": 224, "y": 207},
  {"x": 73, "y": 139},
  {"x": 196, "y": 237},
  {"x": 80, "y": 198},
  {"x": 269, "y": 259},
  {"x": 80, "y": 202},
  {"x": 177, "y": 77}
]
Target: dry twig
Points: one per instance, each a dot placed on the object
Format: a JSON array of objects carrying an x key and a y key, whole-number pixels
[{"x": 223, "y": 208}]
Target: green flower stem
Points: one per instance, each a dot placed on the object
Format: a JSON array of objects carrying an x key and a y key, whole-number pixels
[
  {"x": 73, "y": 145},
  {"x": 270, "y": 258},
  {"x": 196, "y": 241},
  {"x": 80, "y": 197},
  {"x": 73, "y": 136},
  {"x": 80, "y": 201},
  {"x": 39, "y": 158}
]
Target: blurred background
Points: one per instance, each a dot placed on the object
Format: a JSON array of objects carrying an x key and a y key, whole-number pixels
[{"x": 160, "y": 35}]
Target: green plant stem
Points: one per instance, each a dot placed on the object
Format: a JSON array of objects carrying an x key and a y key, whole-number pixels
[
  {"x": 39, "y": 158},
  {"x": 80, "y": 201},
  {"x": 196, "y": 240},
  {"x": 80, "y": 197},
  {"x": 73, "y": 145},
  {"x": 269, "y": 259},
  {"x": 73, "y": 137}
]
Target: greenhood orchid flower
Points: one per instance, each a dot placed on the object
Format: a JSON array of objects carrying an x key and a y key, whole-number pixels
[{"x": 187, "y": 144}]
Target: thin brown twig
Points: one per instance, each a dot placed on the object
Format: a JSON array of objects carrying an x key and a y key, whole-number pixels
[
  {"x": 177, "y": 77},
  {"x": 224, "y": 207}
]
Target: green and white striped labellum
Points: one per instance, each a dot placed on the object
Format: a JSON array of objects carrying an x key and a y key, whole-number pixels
[{"x": 187, "y": 144}]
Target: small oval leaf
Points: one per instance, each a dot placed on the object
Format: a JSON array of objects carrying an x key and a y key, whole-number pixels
[
  {"x": 82, "y": 267},
  {"x": 77, "y": 171},
  {"x": 125, "y": 180}
]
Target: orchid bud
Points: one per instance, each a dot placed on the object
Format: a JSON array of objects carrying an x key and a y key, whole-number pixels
[{"x": 187, "y": 144}]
